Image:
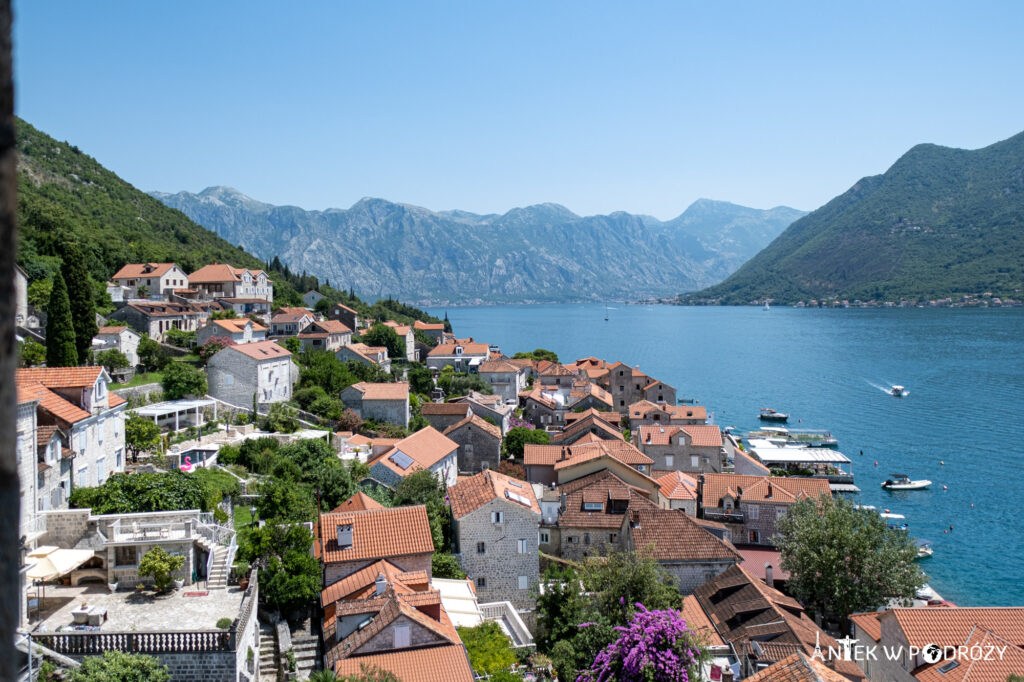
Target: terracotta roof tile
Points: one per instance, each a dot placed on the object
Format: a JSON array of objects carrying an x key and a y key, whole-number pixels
[
  {"x": 784, "y": 489},
  {"x": 868, "y": 622},
  {"x": 642, "y": 408},
  {"x": 697, "y": 621},
  {"x": 429, "y": 326},
  {"x": 137, "y": 270},
  {"x": 479, "y": 422},
  {"x": 798, "y": 667},
  {"x": 444, "y": 408},
  {"x": 469, "y": 347},
  {"x": 378, "y": 533},
  {"x": 671, "y": 535},
  {"x": 61, "y": 377},
  {"x": 111, "y": 330},
  {"x": 237, "y": 324},
  {"x": 500, "y": 365},
  {"x": 998, "y": 669},
  {"x": 358, "y": 502},
  {"x": 952, "y": 626},
  {"x": 261, "y": 350},
  {"x": 471, "y": 493},
  {"x": 597, "y": 488},
  {"x": 425, "y": 448},
  {"x": 676, "y": 485},
  {"x": 385, "y": 391},
  {"x": 215, "y": 272},
  {"x": 447, "y": 663},
  {"x": 332, "y": 327}
]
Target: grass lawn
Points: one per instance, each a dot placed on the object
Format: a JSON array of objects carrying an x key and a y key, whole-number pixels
[
  {"x": 140, "y": 379},
  {"x": 191, "y": 358},
  {"x": 243, "y": 518}
]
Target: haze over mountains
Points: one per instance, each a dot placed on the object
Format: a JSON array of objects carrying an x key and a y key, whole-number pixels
[
  {"x": 540, "y": 253},
  {"x": 939, "y": 223}
]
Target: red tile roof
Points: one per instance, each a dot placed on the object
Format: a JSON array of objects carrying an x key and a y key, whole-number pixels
[
  {"x": 798, "y": 667},
  {"x": 952, "y": 626},
  {"x": 444, "y": 408},
  {"x": 237, "y": 324},
  {"x": 378, "y": 533},
  {"x": 426, "y": 447},
  {"x": 386, "y": 391},
  {"x": 642, "y": 408},
  {"x": 332, "y": 327},
  {"x": 469, "y": 347},
  {"x": 213, "y": 273},
  {"x": 61, "y": 377},
  {"x": 671, "y": 535},
  {"x": 358, "y": 502},
  {"x": 697, "y": 621},
  {"x": 997, "y": 669},
  {"x": 137, "y": 270},
  {"x": 428, "y": 326},
  {"x": 111, "y": 330},
  {"x": 479, "y": 422},
  {"x": 473, "y": 492},
  {"x": 755, "y": 558},
  {"x": 676, "y": 485},
  {"x": 868, "y": 622},
  {"x": 783, "y": 489},
  {"x": 261, "y": 350},
  {"x": 599, "y": 487},
  {"x": 448, "y": 663},
  {"x": 156, "y": 309}
]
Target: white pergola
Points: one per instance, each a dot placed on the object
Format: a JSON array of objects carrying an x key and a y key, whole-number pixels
[{"x": 176, "y": 408}]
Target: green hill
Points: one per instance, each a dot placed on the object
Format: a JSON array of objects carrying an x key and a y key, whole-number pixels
[
  {"x": 65, "y": 196},
  {"x": 941, "y": 222}
]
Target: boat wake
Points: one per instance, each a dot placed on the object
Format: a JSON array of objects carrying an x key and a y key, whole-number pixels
[{"x": 885, "y": 389}]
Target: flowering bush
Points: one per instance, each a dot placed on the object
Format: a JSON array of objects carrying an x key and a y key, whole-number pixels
[{"x": 655, "y": 647}]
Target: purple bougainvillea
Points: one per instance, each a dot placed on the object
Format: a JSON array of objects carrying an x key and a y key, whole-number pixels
[{"x": 655, "y": 647}]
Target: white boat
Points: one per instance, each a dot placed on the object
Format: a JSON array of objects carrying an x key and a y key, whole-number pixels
[
  {"x": 924, "y": 549},
  {"x": 903, "y": 482},
  {"x": 766, "y": 306},
  {"x": 895, "y": 521},
  {"x": 896, "y": 391}
]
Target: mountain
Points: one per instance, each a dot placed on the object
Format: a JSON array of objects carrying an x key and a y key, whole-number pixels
[
  {"x": 543, "y": 252},
  {"x": 65, "y": 196},
  {"x": 940, "y": 222}
]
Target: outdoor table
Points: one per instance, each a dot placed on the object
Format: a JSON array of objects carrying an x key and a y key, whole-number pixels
[{"x": 80, "y": 615}]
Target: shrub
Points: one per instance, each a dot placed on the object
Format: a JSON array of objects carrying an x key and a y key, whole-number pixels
[
  {"x": 159, "y": 565},
  {"x": 224, "y": 624}
]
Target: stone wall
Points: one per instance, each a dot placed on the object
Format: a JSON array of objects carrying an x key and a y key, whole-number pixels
[
  {"x": 478, "y": 449},
  {"x": 334, "y": 572},
  {"x": 136, "y": 393},
  {"x": 574, "y": 543},
  {"x": 691, "y": 575},
  {"x": 501, "y": 563},
  {"x": 384, "y": 640}
]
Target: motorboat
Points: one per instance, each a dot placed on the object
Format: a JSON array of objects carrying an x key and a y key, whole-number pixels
[
  {"x": 769, "y": 415},
  {"x": 924, "y": 549},
  {"x": 895, "y": 521},
  {"x": 897, "y": 391},
  {"x": 903, "y": 482}
]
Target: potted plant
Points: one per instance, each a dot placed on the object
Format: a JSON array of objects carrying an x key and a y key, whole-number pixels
[
  {"x": 112, "y": 587},
  {"x": 159, "y": 565}
]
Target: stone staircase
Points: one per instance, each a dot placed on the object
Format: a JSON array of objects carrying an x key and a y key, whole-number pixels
[
  {"x": 268, "y": 653},
  {"x": 218, "y": 578},
  {"x": 307, "y": 654}
]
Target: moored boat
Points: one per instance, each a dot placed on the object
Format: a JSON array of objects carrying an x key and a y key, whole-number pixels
[
  {"x": 924, "y": 549},
  {"x": 903, "y": 482},
  {"x": 769, "y": 415}
]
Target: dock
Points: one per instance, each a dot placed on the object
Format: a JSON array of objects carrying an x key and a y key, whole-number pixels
[{"x": 821, "y": 462}]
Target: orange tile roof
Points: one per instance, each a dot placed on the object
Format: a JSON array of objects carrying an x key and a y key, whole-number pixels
[
  {"x": 237, "y": 324},
  {"x": 479, "y": 422},
  {"x": 137, "y": 270},
  {"x": 599, "y": 487},
  {"x": 756, "y": 556},
  {"x": 698, "y": 623},
  {"x": 261, "y": 350},
  {"x": 671, "y": 535},
  {"x": 661, "y": 434},
  {"x": 61, "y": 377},
  {"x": 588, "y": 423},
  {"x": 444, "y": 408},
  {"x": 784, "y": 489},
  {"x": 998, "y": 669},
  {"x": 213, "y": 273},
  {"x": 378, "y": 533},
  {"x": 951, "y": 626},
  {"x": 471, "y": 493},
  {"x": 354, "y": 586},
  {"x": 641, "y": 408},
  {"x": 426, "y": 447},
  {"x": 332, "y": 327},
  {"x": 358, "y": 502},
  {"x": 429, "y": 326},
  {"x": 367, "y": 352},
  {"x": 113, "y": 400},
  {"x": 386, "y": 391},
  {"x": 611, "y": 418},
  {"x": 499, "y": 365},
  {"x": 676, "y": 485},
  {"x": 111, "y": 329},
  {"x": 156, "y": 309},
  {"x": 868, "y": 622},
  {"x": 400, "y": 329},
  {"x": 448, "y": 663},
  {"x": 469, "y": 347},
  {"x": 798, "y": 667},
  {"x": 616, "y": 449},
  {"x": 30, "y": 390}
]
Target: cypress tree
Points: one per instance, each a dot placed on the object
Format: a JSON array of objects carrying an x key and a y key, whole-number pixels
[
  {"x": 60, "y": 331},
  {"x": 80, "y": 295}
]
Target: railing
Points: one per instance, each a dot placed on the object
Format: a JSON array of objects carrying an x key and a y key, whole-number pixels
[
  {"x": 95, "y": 643},
  {"x": 504, "y": 612},
  {"x": 841, "y": 477},
  {"x": 148, "y": 532},
  {"x": 35, "y": 524},
  {"x": 727, "y": 517}
]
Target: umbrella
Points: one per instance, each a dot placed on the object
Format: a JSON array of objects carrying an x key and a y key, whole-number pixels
[{"x": 51, "y": 562}]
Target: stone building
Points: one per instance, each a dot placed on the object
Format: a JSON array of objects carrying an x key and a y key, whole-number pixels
[
  {"x": 695, "y": 449},
  {"x": 342, "y": 313},
  {"x": 679, "y": 490},
  {"x": 547, "y": 464},
  {"x": 490, "y": 407},
  {"x": 661, "y": 414},
  {"x": 261, "y": 371},
  {"x": 464, "y": 355},
  {"x": 290, "y": 321},
  {"x": 118, "y": 337},
  {"x": 434, "y": 330},
  {"x": 507, "y": 379},
  {"x": 219, "y": 280},
  {"x": 311, "y": 298},
  {"x": 750, "y": 506},
  {"x": 629, "y": 385},
  {"x": 689, "y": 553},
  {"x": 238, "y": 329},
  {"x": 381, "y": 402},
  {"x": 479, "y": 444},
  {"x": 407, "y": 336},
  {"x": 328, "y": 335},
  {"x": 495, "y": 524},
  {"x": 426, "y": 449},
  {"x": 365, "y": 355},
  {"x": 156, "y": 318},
  {"x": 443, "y": 415}
]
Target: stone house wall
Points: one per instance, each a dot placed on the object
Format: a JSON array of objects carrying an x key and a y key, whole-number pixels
[
  {"x": 335, "y": 571},
  {"x": 384, "y": 640},
  {"x": 25, "y": 445},
  {"x": 682, "y": 456},
  {"x": 660, "y": 393},
  {"x": 500, "y": 563},
  {"x": 443, "y": 421},
  {"x": 691, "y": 575},
  {"x": 478, "y": 449},
  {"x": 234, "y": 378},
  {"x": 577, "y": 543}
]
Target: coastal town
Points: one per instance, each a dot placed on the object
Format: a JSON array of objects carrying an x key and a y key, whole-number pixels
[{"x": 244, "y": 490}]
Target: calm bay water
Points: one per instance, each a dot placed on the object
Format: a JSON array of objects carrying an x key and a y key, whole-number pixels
[{"x": 964, "y": 370}]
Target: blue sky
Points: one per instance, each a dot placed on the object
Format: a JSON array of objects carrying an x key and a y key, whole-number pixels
[{"x": 483, "y": 106}]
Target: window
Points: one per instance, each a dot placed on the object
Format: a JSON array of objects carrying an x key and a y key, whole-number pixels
[
  {"x": 480, "y": 548},
  {"x": 586, "y": 538},
  {"x": 481, "y": 582},
  {"x": 543, "y": 537},
  {"x": 622, "y": 403},
  {"x": 524, "y": 582},
  {"x": 694, "y": 462},
  {"x": 613, "y": 537},
  {"x": 401, "y": 636},
  {"x": 572, "y": 539},
  {"x": 497, "y": 517},
  {"x": 779, "y": 513},
  {"x": 754, "y": 537},
  {"x": 669, "y": 460},
  {"x": 521, "y": 546},
  {"x": 101, "y": 470},
  {"x": 126, "y": 556},
  {"x": 101, "y": 427},
  {"x": 83, "y": 475},
  {"x": 118, "y": 458},
  {"x": 593, "y": 506},
  {"x": 752, "y": 511}
]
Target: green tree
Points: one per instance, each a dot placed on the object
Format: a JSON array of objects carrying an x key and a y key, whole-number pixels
[
  {"x": 140, "y": 435},
  {"x": 842, "y": 559},
  {"x": 537, "y": 354},
  {"x": 280, "y": 418},
  {"x": 620, "y": 580},
  {"x": 112, "y": 359},
  {"x": 559, "y": 608},
  {"x": 152, "y": 355},
  {"x": 180, "y": 338},
  {"x": 306, "y": 396},
  {"x": 39, "y": 293},
  {"x": 421, "y": 380},
  {"x": 182, "y": 379},
  {"x": 61, "y": 350},
  {"x": 289, "y": 574},
  {"x": 517, "y": 438},
  {"x": 32, "y": 353},
  {"x": 488, "y": 648},
  {"x": 423, "y": 487},
  {"x": 458, "y": 383},
  {"x": 381, "y": 334},
  {"x": 141, "y": 492},
  {"x": 117, "y": 666},
  {"x": 283, "y": 500},
  {"x": 327, "y": 408},
  {"x": 446, "y": 566},
  {"x": 160, "y": 566},
  {"x": 322, "y": 306},
  {"x": 323, "y": 369},
  {"x": 80, "y": 296}
]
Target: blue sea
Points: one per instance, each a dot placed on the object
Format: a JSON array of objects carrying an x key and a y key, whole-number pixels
[{"x": 960, "y": 425}]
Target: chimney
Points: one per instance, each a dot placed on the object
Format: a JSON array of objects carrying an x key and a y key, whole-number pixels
[
  {"x": 345, "y": 536},
  {"x": 563, "y": 502},
  {"x": 769, "y": 575},
  {"x": 727, "y": 675},
  {"x": 380, "y": 584}
]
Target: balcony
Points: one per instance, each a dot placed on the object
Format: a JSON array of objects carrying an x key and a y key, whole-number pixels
[
  {"x": 724, "y": 516},
  {"x": 134, "y": 532},
  {"x": 507, "y": 618},
  {"x": 33, "y": 526}
]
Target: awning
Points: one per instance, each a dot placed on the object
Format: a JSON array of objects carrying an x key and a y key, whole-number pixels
[{"x": 52, "y": 562}]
